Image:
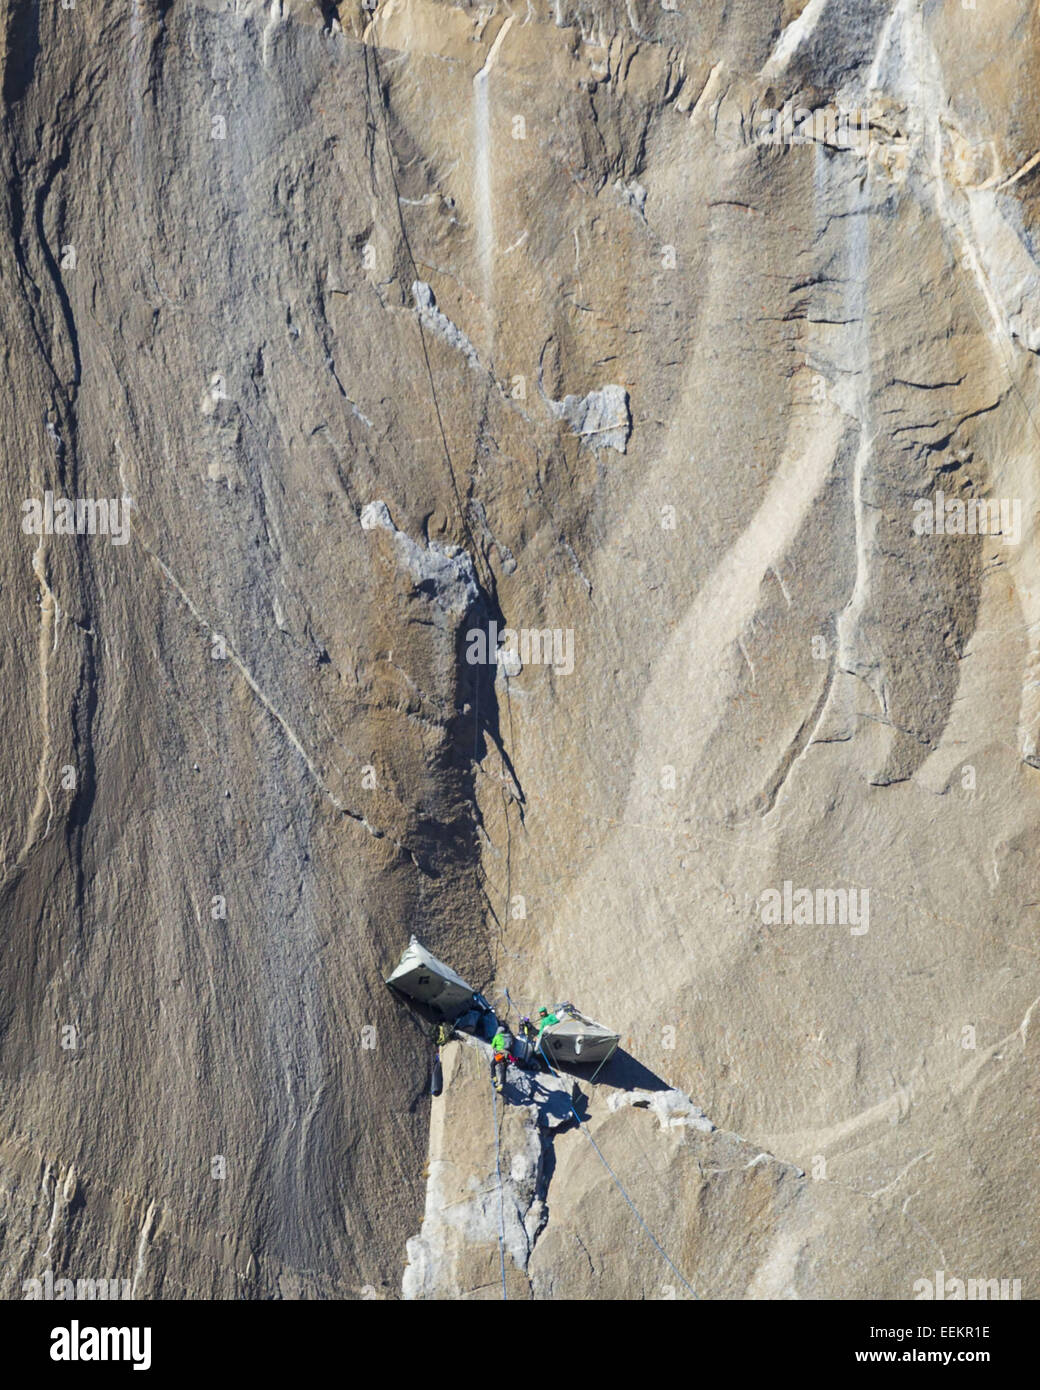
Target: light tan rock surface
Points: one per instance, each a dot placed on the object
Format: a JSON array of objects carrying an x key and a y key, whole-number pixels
[{"x": 395, "y": 322}]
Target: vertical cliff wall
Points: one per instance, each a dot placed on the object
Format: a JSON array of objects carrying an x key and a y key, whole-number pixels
[{"x": 638, "y": 330}]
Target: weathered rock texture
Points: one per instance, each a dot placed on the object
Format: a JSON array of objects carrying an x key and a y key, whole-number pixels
[{"x": 398, "y": 322}]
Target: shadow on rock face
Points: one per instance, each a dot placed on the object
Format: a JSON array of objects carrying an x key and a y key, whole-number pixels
[
  {"x": 555, "y": 1106},
  {"x": 626, "y": 1073}
]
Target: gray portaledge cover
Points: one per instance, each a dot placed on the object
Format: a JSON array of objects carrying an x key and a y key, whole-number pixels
[
  {"x": 422, "y": 976},
  {"x": 596, "y": 1042}
]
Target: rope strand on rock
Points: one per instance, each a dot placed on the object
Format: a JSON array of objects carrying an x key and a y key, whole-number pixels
[
  {"x": 617, "y": 1183},
  {"x": 501, "y": 1197}
]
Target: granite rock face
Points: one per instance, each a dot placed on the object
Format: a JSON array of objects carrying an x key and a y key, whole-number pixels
[{"x": 695, "y": 348}]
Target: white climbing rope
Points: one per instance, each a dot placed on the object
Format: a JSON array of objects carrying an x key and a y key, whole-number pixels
[
  {"x": 501, "y": 1197},
  {"x": 617, "y": 1183}
]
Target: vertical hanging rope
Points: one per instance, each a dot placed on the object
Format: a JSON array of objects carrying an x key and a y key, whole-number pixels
[{"x": 501, "y": 1198}]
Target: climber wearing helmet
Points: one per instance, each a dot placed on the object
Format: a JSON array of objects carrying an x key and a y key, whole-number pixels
[{"x": 502, "y": 1045}]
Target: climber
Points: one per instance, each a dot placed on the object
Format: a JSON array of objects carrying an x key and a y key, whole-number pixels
[
  {"x": 502, "y": 1045},
  {"x": 545, "y": 1020}
]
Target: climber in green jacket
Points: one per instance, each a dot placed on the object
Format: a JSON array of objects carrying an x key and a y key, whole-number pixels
[
  {"x": 545, "y": 1020},
  {"x": 502, "y": 1045}
]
